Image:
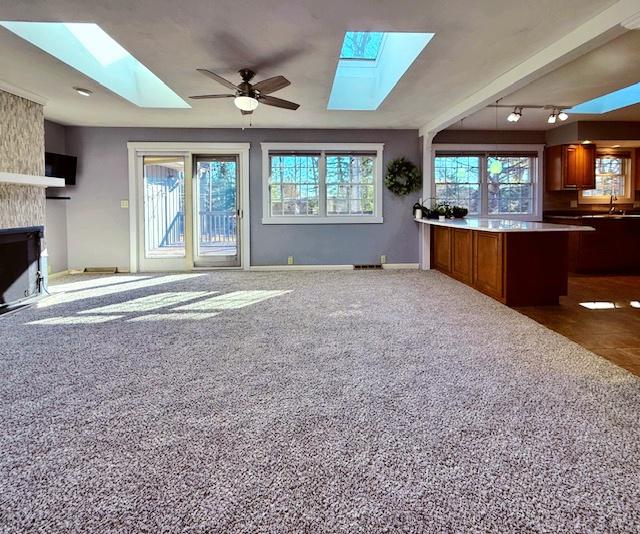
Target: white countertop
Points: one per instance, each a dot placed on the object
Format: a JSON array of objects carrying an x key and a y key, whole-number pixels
[{"x": 505, "y": 225}]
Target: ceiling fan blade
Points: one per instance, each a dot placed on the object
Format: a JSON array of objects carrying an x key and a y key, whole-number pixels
[
  {"x": 246, "y": 112},
  {"x": 217, "y": 78},
  {"x": 278, "y": 102},
  {"x": 270, "y": 85},
  {"x": 200, "y": 97}
]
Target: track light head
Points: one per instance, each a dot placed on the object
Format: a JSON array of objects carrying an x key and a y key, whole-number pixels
[
  {"x": 563, "y": 116},
  {"x": 552, "y": 118},
  {"x": 515, "y": 115}
]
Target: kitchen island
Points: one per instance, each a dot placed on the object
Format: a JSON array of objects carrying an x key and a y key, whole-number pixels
[{"x": 519, "y": 263}]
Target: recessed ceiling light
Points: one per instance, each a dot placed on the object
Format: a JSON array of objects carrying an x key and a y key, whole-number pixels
[
  {"x": 586, "y": 142},
  {"x": 615, "y": 146},
  {"x": 83, "y": 92}
]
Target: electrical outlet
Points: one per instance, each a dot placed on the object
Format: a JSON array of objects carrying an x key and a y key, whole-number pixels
[
  {"x": 124, "y": 204},
  {"x": 290, "y": 260},
  {"x": 383, "y": 259},
  {"x": 573, "y": 204}
]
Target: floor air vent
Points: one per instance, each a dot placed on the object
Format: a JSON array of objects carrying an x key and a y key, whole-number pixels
[
  {"x": 101, "y": 270},
  {"x": 363, "y": 267}
]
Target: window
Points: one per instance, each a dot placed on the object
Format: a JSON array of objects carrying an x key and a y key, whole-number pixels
[
  {"x": 361, "y": 45},
  {"x": 488, "y": 184},
  {"x": 457, "y": 181},
  {"x": 294, "y": 184},
  {"x": 613, "y": 177},
  {"x": 350, "y": 184},
  {"x": 509, "y": 185},
  {"x": 318, "y": 184}
]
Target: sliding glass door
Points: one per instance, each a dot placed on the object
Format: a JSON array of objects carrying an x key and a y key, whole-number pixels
[
  {"x": 163, "y": 243},
  {"x": 189, "y": 211},
  {"x": 216, "y": 203}
]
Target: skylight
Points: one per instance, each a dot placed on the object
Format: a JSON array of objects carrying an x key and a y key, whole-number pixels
[
  {"x": 361, "y": 45},
  {"x": 88, "y": 48},
  {"x": 611, "y": 101},
  {"x": 370, "y": 65}
]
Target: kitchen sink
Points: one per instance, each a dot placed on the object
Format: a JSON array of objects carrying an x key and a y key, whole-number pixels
[{"x": 613, "y": 216}]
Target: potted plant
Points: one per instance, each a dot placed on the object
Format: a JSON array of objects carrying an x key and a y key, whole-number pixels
[
  {"x": 459, "y": 212},
  {"x": 418, "y": 210},
  {"x": 443, "y": 211}
]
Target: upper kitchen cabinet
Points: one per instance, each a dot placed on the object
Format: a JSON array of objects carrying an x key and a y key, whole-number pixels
[
  {"x": 637, "y": 169},
  {"x": 570, "y": 167}
]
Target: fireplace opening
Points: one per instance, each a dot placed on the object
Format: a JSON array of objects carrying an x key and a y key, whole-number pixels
[{"x": 21, "y": 266}]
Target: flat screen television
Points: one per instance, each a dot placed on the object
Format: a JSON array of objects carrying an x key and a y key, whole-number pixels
[{"x": 61, "y": 166}]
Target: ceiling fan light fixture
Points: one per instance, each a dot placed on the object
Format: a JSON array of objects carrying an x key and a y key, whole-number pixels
[{"x": 245, "y": 103}]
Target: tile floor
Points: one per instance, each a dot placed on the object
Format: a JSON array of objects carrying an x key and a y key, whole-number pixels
[{"x": 601, "y": 313}]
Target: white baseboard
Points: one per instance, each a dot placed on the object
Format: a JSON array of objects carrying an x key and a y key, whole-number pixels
[
  {"x": 301, "y": 268},
  {"x": 391, "y": 266},
  {"x": 53, "y": 276},
  {"x": 400, "y": 265}
]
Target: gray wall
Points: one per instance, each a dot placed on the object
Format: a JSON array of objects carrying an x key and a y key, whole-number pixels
[
  {"x": 98, "y": 229},
  {"x": 55, "y": 140},
  {"x": 55, "y": 137}
]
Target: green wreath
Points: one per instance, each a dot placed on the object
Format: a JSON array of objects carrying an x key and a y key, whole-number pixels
[{"x": 403, "y": 177}]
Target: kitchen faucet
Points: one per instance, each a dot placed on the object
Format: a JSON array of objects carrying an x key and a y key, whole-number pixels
[{"x": 611, "y": 200}]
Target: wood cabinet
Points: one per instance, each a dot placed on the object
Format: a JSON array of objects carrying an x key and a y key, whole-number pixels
[
  {"x": 442, "y": 248},
  {"x": 461, "y": 255},
  {"x": 613, "y": 248},
  {"x": 518, "y": 269},
  {"x": 488, "y": 264},
  {"x": 570, "y": 167},
  {"x": 636, "y": 164}
]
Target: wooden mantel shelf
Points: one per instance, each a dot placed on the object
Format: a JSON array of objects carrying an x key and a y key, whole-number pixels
[{"x": 28, "y": 179}]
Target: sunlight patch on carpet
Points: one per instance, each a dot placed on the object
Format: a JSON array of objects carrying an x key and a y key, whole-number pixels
[{"x": 233, "y": 300}]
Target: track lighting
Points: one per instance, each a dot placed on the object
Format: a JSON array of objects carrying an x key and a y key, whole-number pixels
[
  {"x": 515, "y": 115},
  {"x": 558, "y": 113}
]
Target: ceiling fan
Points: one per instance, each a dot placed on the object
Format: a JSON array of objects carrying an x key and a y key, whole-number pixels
[{"x": 247, "y": 96}]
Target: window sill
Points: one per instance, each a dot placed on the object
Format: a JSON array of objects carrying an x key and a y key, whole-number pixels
[
  {"x": 353, "y": 219},
  {"x": 605, "y": 200}
]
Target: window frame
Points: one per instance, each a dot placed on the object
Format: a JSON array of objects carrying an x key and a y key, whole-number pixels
[
  {"x": 322, "y": 217},
  {"x": 484, "y": 151},
  {"x": 628, "y": 198}
]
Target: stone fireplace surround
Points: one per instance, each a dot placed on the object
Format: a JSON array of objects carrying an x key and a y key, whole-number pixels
[{"x": 22, "y": 207}]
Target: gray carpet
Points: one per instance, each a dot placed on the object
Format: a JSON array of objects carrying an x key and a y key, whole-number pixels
[{"x": 352, "y": 402}]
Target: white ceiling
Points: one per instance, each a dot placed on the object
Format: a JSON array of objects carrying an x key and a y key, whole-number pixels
[
  {"x": 605, "y": 69},
  {"x": 475, "y": 42}
]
